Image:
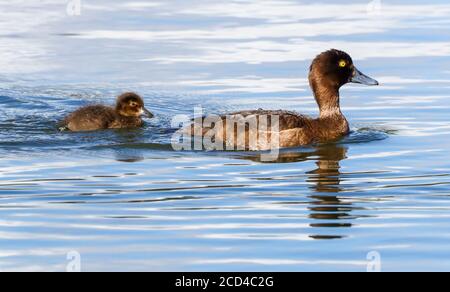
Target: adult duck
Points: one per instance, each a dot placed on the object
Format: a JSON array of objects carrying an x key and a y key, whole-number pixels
[{"x": 328, "y": 73}]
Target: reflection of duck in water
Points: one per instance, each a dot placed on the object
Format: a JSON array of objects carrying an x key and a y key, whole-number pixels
[
  {"x": 326, "y": 177},
  {"x": 325, "y": 182}
]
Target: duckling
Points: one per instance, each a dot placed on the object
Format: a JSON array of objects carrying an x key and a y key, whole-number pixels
[
  {"x": 126, "y": 114},
  {"x": 328, "y": 73}
]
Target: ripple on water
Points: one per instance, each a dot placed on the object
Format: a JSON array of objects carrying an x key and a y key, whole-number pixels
[{"x": 124, "y": 200}]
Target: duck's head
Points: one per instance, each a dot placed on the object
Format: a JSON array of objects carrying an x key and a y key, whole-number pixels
[
  {"x": 334, "y": 68},
  {"x": 132, "y": 105}
]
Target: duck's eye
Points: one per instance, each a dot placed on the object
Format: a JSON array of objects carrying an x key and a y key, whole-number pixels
[
  {"x": 133, "y": 103},
  {"x": 342, "y": 64}
]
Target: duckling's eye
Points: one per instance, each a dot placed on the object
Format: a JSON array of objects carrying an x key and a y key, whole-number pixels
[
  {"x": 342, "y": 64},
  {"x": 133, "y": 103}
]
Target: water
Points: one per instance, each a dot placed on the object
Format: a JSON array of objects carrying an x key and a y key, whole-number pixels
[{"x": 124, "y": 200}]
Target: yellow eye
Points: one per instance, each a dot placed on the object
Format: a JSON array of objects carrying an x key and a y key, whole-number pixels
[{"x": 342, "y": 64}]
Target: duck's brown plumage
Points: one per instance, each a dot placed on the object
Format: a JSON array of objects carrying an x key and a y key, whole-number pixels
[
  {"x": 126, "y": 114},
  {"x": 328, "y": 73},
  {"x": 287, "y": 119}
]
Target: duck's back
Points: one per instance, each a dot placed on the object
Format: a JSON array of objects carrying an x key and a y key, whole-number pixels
[
  {"x": 287, "y": 119},
  {"x": 292, "y": 130},
  {"x": 91, "y": 118}
]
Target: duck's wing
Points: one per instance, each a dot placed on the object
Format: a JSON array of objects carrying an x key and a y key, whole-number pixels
[{"x": 287, "y": 119}]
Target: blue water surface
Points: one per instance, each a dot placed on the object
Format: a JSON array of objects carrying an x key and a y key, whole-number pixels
[{"x": 124, "y": 200}]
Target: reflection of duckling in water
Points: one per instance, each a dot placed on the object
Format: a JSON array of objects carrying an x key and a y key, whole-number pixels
[
  {"x": 127, "y": 114},
  {"x": 328, "y": 73}
]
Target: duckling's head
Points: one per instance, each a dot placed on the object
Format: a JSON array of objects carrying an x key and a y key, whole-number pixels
[
  {"x": 334, "y": 68},
  {"x": 132, "y": 105}
]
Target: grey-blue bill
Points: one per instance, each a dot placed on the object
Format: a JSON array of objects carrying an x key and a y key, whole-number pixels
[{"x": 361, "y": 78}]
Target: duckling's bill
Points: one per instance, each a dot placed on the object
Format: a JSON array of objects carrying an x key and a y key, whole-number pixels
[
  {"x": 148, "y": 113},
  {"x": 361, "y": 78}
]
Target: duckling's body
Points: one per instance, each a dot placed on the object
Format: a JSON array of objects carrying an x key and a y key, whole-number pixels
[
  {"x": 99, "y": 117},
  {"x": 126, "y": 114},
  {"x": 329, "y": 72}
]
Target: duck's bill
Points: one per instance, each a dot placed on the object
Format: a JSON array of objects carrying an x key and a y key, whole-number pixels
[
  {"x": 361, "y": 78},
  {"x": 148, "y": 113}
]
